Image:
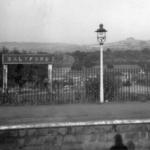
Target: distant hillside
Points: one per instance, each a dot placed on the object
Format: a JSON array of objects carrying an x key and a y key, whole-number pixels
[
  {"x": 128, "y": 44},
  {"x": 42, "y": 47}
]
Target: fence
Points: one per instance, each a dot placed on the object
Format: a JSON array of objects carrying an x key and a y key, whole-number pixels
[{"x": 70, "y": 86}]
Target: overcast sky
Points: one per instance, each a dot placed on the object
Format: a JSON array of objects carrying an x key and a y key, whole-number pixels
[{"x": 73, "y": 21}]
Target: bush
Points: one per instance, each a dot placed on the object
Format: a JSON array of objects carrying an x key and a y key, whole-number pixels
[
  {"x": 111, "y": 85},
  {"x": 92, "y": 88},
  {"x": 127, "y": 83}
]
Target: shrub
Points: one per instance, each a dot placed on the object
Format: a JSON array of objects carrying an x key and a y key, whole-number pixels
[
  {"x": 111, "y": 85},
  {"x": 92, "y": 88}
]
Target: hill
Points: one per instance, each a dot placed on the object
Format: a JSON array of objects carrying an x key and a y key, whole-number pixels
[
  {"x": 42, "y": 47},
  {"x": 127, "y": 44}
]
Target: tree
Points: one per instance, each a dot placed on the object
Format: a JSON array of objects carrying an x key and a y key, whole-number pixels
[
  {"x": 78, "y": 60},
  {"x": 5, "y": 50}
]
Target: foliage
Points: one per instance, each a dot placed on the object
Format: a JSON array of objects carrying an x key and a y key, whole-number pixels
[
  {"x": 90, "y": 59},
  {"x": 79, "y": 57},
  {"x": 62, "y": 60},
  {"x": 111, "y": 85},
  {"x": 92, "y": 88}
]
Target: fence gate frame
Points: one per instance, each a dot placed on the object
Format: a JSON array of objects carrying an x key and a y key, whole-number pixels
[{"x": 10, "y": 59}]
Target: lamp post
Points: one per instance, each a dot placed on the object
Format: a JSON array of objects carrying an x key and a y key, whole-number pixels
[{"x": 101, "y": 37}]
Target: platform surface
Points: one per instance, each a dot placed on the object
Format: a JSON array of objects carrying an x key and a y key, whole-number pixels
[{"x": 15, "y": 115}]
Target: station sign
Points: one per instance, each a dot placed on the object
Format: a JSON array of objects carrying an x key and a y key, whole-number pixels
[{"x": 26, "y": 59}]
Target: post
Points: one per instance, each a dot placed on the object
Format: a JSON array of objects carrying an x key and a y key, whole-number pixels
[
  {"x": 101, "y": 37},
  {"x": 101, "y": 75},
  {"x": 5, "y": 70},
  {"x": 50, "y": 77}
]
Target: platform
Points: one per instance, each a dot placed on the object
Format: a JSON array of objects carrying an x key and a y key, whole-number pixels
[{"x": 59, "y": 115}]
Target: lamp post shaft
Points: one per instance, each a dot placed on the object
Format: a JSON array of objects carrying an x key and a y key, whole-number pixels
[
  {"x": 101, "y": 75},
  {"x": 101, "y": 37}
]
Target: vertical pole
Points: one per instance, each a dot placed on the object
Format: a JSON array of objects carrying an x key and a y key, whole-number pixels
[
  {"x": 50, "y": 77},
  {"x": 101, "y": 75},
  {"x": 5, "y": 70}
]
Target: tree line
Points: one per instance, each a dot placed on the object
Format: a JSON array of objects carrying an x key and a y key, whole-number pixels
[{"x": 90, "y": 59}]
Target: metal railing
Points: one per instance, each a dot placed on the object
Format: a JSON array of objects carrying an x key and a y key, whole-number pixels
[{"x": 72, "y": 86}]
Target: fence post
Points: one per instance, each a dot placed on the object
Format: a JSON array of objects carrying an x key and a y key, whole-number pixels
[{"x": 5, "y": 70}]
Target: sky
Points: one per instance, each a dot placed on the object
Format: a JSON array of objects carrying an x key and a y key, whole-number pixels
[{"x": 73, "y": 21}]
